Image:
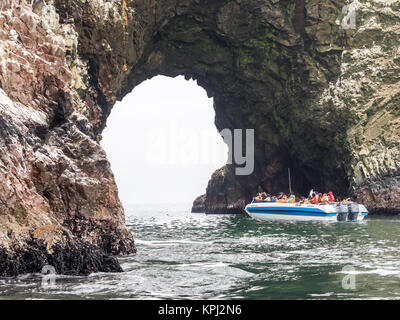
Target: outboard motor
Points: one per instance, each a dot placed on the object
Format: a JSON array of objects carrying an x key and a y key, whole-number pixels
[
  {"x": 343, "y": 211},
  {"x": 354, "y": 210}
]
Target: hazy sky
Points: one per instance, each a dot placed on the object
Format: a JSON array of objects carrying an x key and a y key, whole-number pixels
[{"x": 162, "y": 142}]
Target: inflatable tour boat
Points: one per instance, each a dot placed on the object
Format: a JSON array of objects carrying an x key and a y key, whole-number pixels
[{"x": 306, "y": 212}]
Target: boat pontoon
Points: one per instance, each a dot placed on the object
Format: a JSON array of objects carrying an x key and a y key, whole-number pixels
[{"x": 306, "y": 212}]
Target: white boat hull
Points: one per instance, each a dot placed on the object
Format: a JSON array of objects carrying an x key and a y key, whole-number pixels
[{"x": 296, "y": 212}]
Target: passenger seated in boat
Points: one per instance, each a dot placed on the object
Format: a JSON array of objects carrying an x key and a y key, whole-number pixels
[
  {"x": 307, "y": 201},
  {"x": 315, "y": 199},
  {"x": 331, "y": 197},
  {"x": 324, "y": 199},
  {"x": 258, "y": 198},
  {"x": 268, "y": 198},
  {"x": 292, "y": 199},
  {"x": 282, "y": 199},
  {"x": 347, "y": 200}
]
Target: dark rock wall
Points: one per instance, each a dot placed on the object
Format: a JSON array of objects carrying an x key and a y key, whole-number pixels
[{"x": 286, "y": 68}]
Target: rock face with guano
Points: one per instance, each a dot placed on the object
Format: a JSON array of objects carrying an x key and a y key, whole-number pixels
[{"x": 322, "y": 98}]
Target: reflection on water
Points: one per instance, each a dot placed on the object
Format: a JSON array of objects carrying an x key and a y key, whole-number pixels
[{"x": 197, "y": 256}]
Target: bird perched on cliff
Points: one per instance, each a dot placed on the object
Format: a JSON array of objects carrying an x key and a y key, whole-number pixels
[
  {"x": 36, "y": 2},
  {"x": 37, "y": 5},
  {"x": 15, "y": 35}
]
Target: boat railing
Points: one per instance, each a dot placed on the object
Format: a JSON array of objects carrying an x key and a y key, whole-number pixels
[{"x": 297, "y": 203}]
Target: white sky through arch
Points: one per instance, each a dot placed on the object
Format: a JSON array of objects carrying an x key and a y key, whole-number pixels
[{"x": 162, "y": 142}]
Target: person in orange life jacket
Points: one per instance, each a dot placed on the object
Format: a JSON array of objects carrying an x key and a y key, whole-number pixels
[
  {"x": 279, "y": 198},
  {"x": 331, "y": 197},
  {"x": 292, "y": 199},
  {"x": 283, "y": 199}
]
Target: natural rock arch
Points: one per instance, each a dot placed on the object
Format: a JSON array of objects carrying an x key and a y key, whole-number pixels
[
  {"x": 258, "y": 63},
  {"x": 322, "y": 100}
]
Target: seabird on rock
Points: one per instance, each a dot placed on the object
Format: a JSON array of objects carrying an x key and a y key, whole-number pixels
[
  {"x": 15, "y": 35},
  {"x": 37, "y": 5},
  {"x": 36, "y": 2}
]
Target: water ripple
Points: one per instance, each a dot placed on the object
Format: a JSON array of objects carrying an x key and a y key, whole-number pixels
[{"x": 196, "y": 256}]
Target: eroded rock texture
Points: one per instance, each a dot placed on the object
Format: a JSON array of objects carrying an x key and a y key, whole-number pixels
[
  {"x": 323, "y": 101},
  {"x": 57, "y": 192}
]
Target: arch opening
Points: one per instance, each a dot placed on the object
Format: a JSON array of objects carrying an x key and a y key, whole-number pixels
[{"x": 162, "y": 142}]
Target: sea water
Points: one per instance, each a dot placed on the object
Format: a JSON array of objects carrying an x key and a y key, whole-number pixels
[{"x": 183, "y": 255}]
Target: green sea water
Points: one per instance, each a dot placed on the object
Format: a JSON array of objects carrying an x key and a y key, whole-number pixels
[{"x": 182, "y": 255}]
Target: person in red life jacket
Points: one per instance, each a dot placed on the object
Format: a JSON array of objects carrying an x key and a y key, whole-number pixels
[
  {"x": 315, "y": 199},
  {"x": 331, "y": 197}
]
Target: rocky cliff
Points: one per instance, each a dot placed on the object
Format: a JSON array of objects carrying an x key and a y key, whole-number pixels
[
  {"x": 323, "y": 100},
  {"x": 325, "y": 104},
  {"x": 59, "y": 203}
]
